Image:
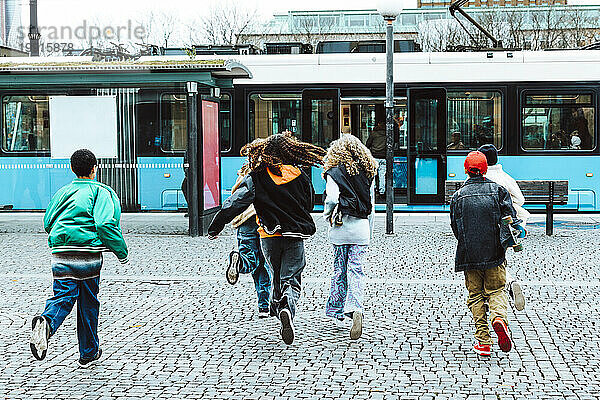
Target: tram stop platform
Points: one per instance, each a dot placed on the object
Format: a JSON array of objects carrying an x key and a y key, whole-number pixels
[{"x": 172, "y": 327}]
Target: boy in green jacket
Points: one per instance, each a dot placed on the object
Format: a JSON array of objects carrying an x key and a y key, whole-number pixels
[{"x": 82, "y": 221}]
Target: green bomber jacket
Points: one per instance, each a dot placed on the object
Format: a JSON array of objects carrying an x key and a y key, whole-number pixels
[{"x": 85, "y": 216}]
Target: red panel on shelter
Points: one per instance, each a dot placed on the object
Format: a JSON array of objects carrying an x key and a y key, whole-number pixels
[{"x": 210, "y": 150}]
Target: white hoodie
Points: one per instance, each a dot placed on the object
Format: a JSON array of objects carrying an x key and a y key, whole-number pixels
[{"x": 496, "y": 174}]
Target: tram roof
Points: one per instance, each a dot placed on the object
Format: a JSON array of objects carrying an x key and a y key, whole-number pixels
[
  {"x": 421, "y": 67},
  {"x": 218, "y": 67}
]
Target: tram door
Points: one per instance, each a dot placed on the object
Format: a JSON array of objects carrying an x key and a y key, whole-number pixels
[
  {"x": 320, "y": 116},
  {"x": 320, "y": 123},
  {"x": 426, "y": 145}
]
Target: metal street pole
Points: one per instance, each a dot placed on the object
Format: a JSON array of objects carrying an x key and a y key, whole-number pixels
[
  {"x": 192, "y": 150},
  {"x": 389, "y": 120},
  {"x": 34, "y": 33}
]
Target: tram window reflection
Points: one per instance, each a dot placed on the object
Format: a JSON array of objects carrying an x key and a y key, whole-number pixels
[
  {"x": 474, "y": 119},
  {"x": 274, "y": 113},
  {"x": 365, "y": 116},
  {"x": 26, "y": 125},
  {"x": 558, "y": 122},
  {"x": 173, "y": 122}
]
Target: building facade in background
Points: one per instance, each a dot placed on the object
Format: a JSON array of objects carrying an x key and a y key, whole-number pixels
[
  {"x": 491, "y": 3},
  {"x": 10, "y": 21},
  {"x": 535, "y": 27}
]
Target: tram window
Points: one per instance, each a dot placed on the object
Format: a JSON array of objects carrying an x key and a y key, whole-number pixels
[
  {"x": 173, "y": 122},
  {"x": 274, "y": 113},
  {"x": 558, "y": 122},
  {"x": 26, "y": 124},
  {"x": 225, "y": 121},
  {"x": 474, "y": 119},
  {"x": 371, "y": 115}
]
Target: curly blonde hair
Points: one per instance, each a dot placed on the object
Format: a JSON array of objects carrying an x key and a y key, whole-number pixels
[
  {"x": 349, "y": 151},
  {"x": 279, "y": 149}
]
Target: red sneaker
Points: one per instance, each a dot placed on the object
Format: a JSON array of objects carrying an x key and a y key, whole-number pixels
[
  {"x": 483, "y": 349},
  {"x": 501, "y": 329}
]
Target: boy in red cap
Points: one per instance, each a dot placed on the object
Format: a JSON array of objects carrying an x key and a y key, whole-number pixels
[{"x": 476, "y": 211}]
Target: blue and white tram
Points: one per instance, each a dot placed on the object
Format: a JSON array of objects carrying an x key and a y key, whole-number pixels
[
  {"x": 531, "y": 105},
  {"x": 538, "y": 108}
]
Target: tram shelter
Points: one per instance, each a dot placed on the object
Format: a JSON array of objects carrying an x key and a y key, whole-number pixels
[{"x": 137, "y": 160}]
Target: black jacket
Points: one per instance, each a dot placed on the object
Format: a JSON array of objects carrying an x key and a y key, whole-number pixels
[
  {"x": 282, "y": 207},
  {"x": 355, "y": 192},
  {"x": 476, "y": 211}
]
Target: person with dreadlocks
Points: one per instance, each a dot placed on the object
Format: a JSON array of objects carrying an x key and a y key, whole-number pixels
[
  {"x": 282, "y": 195},
  {"x": 349, "y": 208}
]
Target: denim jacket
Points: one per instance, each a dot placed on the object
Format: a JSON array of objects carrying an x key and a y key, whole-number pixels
[{"x": 476, "y": 210}]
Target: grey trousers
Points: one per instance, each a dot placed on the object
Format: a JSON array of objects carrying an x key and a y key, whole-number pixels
[{"x": 285, "y": 260}]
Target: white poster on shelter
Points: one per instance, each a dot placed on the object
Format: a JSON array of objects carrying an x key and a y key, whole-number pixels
[{"x": 83, "y": 122}]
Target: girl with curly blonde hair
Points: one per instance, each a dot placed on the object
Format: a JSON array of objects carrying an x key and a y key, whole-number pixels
[{"x": 349, "y": 171}]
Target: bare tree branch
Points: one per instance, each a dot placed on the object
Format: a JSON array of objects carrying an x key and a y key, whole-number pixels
[{"x": 226, "y": 23}]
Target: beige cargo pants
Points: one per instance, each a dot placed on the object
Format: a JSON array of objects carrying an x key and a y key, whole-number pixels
[{"x": 486, "y": 286}]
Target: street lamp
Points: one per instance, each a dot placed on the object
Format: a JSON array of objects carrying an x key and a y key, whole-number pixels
[{"x": 389, "y": 10}]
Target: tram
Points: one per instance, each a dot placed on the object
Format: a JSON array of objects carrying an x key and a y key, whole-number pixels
[{"x": 538, "y": 108}]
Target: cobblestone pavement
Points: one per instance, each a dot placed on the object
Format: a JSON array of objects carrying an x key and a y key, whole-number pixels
[{"x": 171, "y": 327}]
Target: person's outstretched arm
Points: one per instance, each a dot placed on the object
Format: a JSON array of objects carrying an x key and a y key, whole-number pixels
[
  {"x": 372, "y": 215},
  {"x": 515, "y": 191},
  {"x": 453, "y": 216},
  {"x": 332, "y": 197},
  {"x": 233, "y": 206},
  {"x": 51, "y": 212},
  {"x": 506, "y": 206},
  {"x": 106, "y": 215}
]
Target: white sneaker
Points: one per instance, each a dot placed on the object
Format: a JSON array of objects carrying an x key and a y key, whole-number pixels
[
  {"x": 233, "y": 269},
  {"x": 40, "y": 333},
  {"x": 263, "y": 313},
  {"x": 516, "y": 292},
  {"x": 341, "y": 323},
  {"x": 356, "y": 330}
]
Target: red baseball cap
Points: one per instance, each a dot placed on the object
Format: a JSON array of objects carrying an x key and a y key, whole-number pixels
[{"x": 476, "y": 162}]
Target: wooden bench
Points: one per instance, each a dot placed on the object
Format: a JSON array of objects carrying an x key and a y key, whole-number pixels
[{"x": 549, "y": 193}]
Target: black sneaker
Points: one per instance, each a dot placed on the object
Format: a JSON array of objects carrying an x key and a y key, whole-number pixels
[
  {"x": 287, "y": 327},
  {"x": 40, "y": 333},
  {"x": 88, "y": 363},
  {"x": 356, "y": 330},
  {"x": 233, "y": 270}
]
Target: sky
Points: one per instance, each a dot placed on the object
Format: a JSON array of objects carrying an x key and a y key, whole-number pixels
[
  {"x": 58, "y": 11},
  {"x": 61, "y": 12},
  {"x": 73, "y": 12}
]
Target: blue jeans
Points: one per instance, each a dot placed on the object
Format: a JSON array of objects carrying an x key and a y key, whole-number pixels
[
  {"x": 253, "y": 261},
  {"x": 66, "y": 293}
]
